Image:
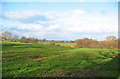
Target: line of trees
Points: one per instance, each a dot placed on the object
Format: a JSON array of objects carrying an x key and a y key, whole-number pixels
[
  {"x": 111, "y": 42},
  {"x": 8, "y": 36},
  {"x": 28, "y": 40}
]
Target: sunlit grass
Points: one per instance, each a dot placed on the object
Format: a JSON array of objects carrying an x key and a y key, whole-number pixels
[{"x": 40, "y": 60}]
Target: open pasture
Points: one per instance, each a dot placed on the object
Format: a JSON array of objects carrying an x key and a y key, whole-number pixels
[{"x": 40, "y": 60}]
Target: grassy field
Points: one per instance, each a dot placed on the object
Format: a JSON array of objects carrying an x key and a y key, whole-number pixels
[
  {"x": 66, "y": 43},
  {"x": 42, "y": 42},
  {"x": 39, "y": 60}
]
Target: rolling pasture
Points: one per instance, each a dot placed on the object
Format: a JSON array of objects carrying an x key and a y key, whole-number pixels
[{"x": 40, "y": 60}]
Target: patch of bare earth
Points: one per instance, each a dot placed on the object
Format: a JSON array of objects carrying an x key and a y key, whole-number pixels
[
  {"x": 8, "y": 56},
  {"x": 20, "y": 52},
  {"x": 35, "y": 57},
  {"x": 93, "y": 53},
  {"x": 64, "y": 56},
  {"x": 16, "y": 52},
  {"x": 10, "y": 76},
  {"x": 12, "y": 52},
  {"x": 113, "y": 56},
  {"x": 39, "y": 61}
]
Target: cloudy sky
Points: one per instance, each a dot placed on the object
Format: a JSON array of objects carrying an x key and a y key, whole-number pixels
[{"x": 61, "y": 20}]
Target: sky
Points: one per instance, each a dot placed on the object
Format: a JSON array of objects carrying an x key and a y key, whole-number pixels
[{"x": 61, "y": 20}]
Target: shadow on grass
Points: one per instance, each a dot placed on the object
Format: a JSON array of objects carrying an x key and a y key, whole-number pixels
[
  {"x": 107, "y": 70},
  {"x": 110, "y": 69}
]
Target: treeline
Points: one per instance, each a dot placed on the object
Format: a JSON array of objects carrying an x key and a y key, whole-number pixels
[
  {"x": 111, "y": 42},
  {"x": 65, "y": 41},
  {"x": 8, "y": 36}
]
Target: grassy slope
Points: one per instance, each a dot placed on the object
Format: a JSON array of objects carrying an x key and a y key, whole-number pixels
[{"x": 57, "y": 61}]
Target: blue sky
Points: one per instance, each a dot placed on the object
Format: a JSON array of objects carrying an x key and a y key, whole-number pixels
[
  {"x": 60, "y": 0},
  {"x": 61, "y": 20}
]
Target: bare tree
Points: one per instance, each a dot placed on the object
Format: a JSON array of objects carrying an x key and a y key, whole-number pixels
[
  {"x": 111, "y": 42},
  {"x": 6, "y": 35},
  {"x": 15, "y": 38},
  {"x": 32, "y": 40},
  {"x": 111, "y": 38},
  {"x": 23, "y": 39}
]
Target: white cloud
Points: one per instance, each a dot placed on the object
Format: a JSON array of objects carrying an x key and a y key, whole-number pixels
[
  {"x": 21, "y": 14},
  {"x": 79, "y": 11},
  {"x": 53, "y": 27},
  {"x": 64, "y": 24},
  {"x": 27, "y": 16},
  {"x": 82, "y": 0},
  {"x": 30, "y": 27}
]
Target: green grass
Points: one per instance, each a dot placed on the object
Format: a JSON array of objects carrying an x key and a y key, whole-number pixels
[
  {"x": 56, "y": 61},
  {"x": 66, "y": 43}
]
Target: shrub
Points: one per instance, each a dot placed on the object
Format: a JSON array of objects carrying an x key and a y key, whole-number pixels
[
  {"x": 23, "y": 39},
  {"x": 50, "y": 43},
  {"x": 57, "y": 44}
]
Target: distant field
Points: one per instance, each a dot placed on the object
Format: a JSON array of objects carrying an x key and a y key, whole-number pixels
[
  {"x": 42, "y": 42},
  {"x": 35, "y": 60},
  {"x": 66, "y": 43}
]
